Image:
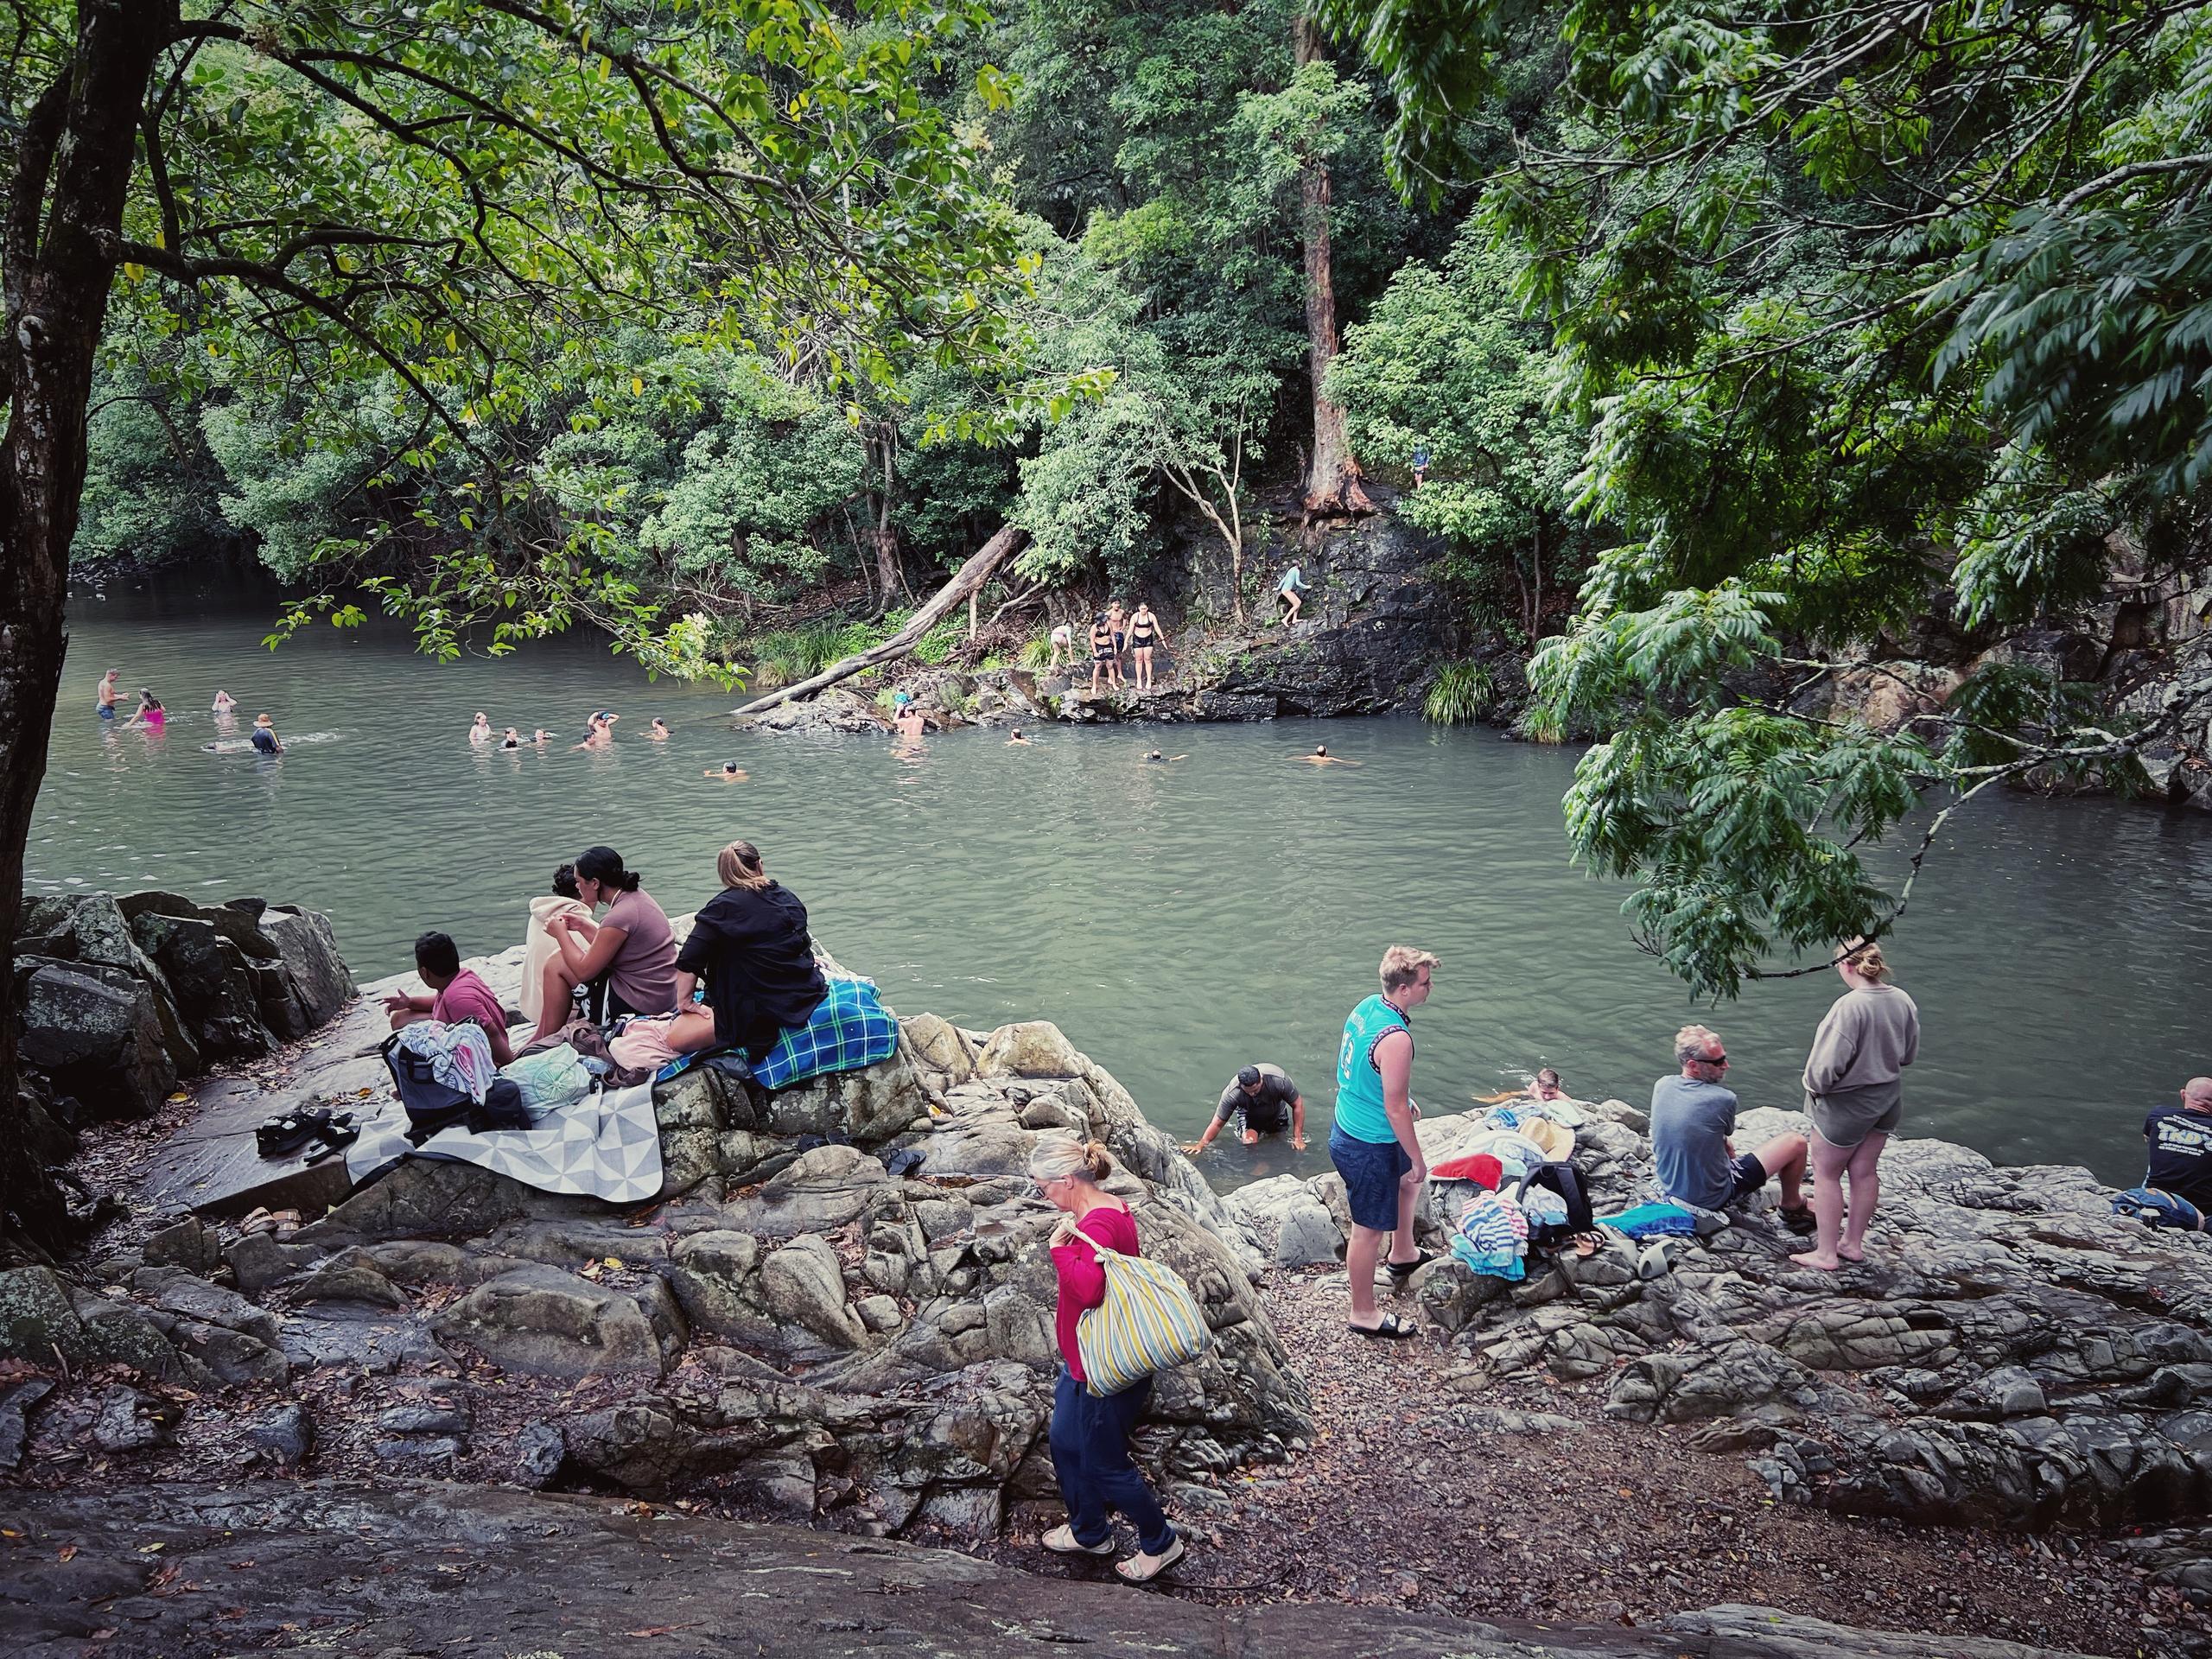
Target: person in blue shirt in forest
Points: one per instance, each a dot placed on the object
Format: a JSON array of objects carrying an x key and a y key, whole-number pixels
[{"x": 1373, "y": 1144}]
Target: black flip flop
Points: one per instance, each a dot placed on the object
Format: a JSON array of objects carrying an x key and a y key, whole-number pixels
[
  {"x": 285, "y": 1134},
  {"x": 1402, "y": 1271},
  {"x": 1390, "y": 1328}
]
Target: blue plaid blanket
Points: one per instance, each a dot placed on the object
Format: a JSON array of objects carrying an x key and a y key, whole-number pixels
[{"x": 848, "y": 1030}]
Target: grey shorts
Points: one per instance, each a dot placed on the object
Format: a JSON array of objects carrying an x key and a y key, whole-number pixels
[{"x": 1849, "y": 1117}]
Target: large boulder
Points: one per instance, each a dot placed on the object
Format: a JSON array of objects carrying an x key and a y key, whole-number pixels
[
  {"x": 310, "y": 982},
  {"x": 96, "y": 1032},
  {"x": 541, "y": 1322}
]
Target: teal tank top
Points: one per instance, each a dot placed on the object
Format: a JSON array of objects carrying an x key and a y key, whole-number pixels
[{"x": 1359, "y": 1085}]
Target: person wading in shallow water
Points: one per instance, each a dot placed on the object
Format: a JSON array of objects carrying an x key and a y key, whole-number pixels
[
  {"x": 1373, "y": 1144},
  {"x": 1263, "y": 1100}
]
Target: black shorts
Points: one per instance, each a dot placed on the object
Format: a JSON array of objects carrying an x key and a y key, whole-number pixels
[{"x": 1751, "y": 1176}]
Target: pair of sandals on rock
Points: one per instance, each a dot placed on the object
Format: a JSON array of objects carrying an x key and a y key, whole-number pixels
[
  {"x": 1138, "y": 1569},
  {"x": 288, "y": 1132}
]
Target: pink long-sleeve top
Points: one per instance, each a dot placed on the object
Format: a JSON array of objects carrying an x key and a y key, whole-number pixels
[{"x": 1083, "y": 1282}]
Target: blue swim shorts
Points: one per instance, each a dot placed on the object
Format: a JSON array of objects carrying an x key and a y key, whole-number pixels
[{"x": 1370, "y": 1169}]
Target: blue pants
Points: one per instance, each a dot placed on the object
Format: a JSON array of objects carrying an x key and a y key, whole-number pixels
[{"x": 1090, "y": 1456}]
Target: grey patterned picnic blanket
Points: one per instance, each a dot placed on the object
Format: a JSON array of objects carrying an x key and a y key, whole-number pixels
[{"x": 604, "y": 1145}]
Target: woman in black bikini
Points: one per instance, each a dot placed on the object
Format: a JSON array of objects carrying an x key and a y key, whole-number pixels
[
  {"x": 1103, "y": 655},
  {"x": 1145, "y": 632}
]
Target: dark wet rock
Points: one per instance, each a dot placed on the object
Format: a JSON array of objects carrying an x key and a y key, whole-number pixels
[
  {"x": 541, "y": 1568},
  {"x": 433, "y": 1456},
  {"x": 17, "y": 1400},
  {"x": 349, "y": 1279},
  {"x": 95, "y": 1032},
  {"x": 285, "y": 1435},
  {"x": 129, "y": 1422},
  {"x": 425, "y": 1421},
  {"x": 375, "y": 1346},
  {"x": 540, "y": 1450},
  {"x": 190, "y": 1244},
  {"x": 260, "y": 1262},
  {"x": 314, "y": 981},
  {"x": 36, "y": 1319}
]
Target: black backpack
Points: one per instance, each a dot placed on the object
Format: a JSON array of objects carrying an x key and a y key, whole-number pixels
[
  {"x": 432, "y": 1106},
  {"x": 1566, "y": 1180}
]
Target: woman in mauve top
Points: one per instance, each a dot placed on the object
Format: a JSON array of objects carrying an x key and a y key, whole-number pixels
[
  {"x": 634, "y": 947},
  {"x": 1091, "y": 1433}
]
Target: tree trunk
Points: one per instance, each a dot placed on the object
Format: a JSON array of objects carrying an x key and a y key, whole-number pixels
[
  {"x": 966, "y": 582},
  {"x": 65, "y": 212},
  {"x": 1332, "y": 476}
]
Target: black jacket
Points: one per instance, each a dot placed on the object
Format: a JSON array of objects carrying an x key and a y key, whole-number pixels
[{"x": 751, "y": 949}]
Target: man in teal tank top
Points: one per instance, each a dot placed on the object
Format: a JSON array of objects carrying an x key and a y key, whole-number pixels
[{"x": 1373, "y": 1144}]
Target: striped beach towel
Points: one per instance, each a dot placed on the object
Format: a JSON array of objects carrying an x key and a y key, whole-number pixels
[
  {"x": 848, "y": 1029},
  {"x": 1148, "y": 1322}
]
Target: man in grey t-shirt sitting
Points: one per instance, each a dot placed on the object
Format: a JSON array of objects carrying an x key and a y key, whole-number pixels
[
  {"x": 1263, "y": 1100},
  {"x": 1692, "y": 1118}
]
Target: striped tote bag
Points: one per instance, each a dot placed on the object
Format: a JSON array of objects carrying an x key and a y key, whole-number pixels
[{"x": 1148, "y": 1322}]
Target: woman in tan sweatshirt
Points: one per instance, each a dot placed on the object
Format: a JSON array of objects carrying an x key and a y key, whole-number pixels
[{"x": 1854, "y": 1093}]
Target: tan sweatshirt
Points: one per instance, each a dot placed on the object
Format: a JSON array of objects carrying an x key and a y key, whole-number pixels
[{"x": 1868, "y": 1037}]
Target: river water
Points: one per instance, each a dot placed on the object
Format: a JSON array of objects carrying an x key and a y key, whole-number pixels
[{"x": 1176, "y": 920}]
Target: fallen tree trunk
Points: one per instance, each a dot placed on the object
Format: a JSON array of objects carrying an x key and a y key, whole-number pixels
[{"x": 968, "y": 580}]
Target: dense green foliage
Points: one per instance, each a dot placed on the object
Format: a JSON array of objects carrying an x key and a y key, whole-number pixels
[{"x": 1735, "y": 338}]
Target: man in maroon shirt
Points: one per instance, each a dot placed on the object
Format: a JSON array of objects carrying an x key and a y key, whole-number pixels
[{"x": 457, "y": 994}]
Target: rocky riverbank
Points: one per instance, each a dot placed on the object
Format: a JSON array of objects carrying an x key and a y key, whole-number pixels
[{"x": 838, "y": 1310}]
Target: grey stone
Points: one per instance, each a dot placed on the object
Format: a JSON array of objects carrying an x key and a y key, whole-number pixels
[
  {"x": 372, "y": 1345},
  {"x": 37, "y": 1319},
  {"x": 129, "y": 1422},
  {"x": 17, "y": 1399},
  {"x": 195, "y": 1298},
  {"x": 1293, "y": 1227},
  {"x": 802, "y": 1283},
  {"x": 261, "y": 1261},
  {"x": 95, "y": 1031},
  {"x": 190, "y": 1244},
  {"x": 315, "y": 982},
  {"x": 544, "y": 1322},
  {"x": 540, "y": 1450},
  {"x": 286, "y": 1434},
  {"x": 421, "y": 1420},
  {"x": 353, "y": 1278},
  {"x": 438, "y": 1455}
]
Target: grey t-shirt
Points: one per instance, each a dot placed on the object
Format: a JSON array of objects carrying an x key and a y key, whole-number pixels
[
  {"x": 1263, "y": 1113},
  {"x": 1691, "y": 1123}
]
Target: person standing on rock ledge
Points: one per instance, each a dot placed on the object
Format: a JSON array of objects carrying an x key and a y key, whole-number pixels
[
  {"x": 1263, "y": 1101},
  {"x": 1854, "y": 1093},
  {"x": 1090, "y": 1436},
  {"x": 1373, "y": 1144}
]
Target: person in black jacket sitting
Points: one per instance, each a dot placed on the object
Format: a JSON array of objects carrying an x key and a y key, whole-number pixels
[{"x": 749, "y": 943}]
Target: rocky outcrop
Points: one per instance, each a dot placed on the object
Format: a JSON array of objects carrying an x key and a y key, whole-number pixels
[
  {"x": 841, "y": 1306},
  {"x": 404, "y": 1567},
  {"x": 2010, "y": 1352},
  {"x": 120, "y": 998}
]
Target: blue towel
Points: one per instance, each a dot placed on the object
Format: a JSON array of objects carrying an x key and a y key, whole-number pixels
[
  {"x": 847, "y": 1030},
  {"x": 2155, "y": 1209},
  {"x": 1652, "y": 1221}
]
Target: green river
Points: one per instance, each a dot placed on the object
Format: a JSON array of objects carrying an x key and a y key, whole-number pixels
[{"x": 1175, "y": 921}]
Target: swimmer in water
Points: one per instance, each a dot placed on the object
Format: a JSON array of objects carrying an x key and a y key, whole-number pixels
[
  {"x": 658, "y": 731},
  {"x": 481, "y": 730},
  {"x": 1018, "y": 738},
  {"x": 730, "y": 771},
  {"x": 910, "y": 725},
  {"x": 108, "y": 693},
  {"x": 1165, "y": 760},
  {"x": 512, "y": 740},
  {"x": 600, "y": 734},
  {"x": 541, "y": 736},
  {"x": 1321, "y": 757},
  {"x": 224, "y": 703},
  {"x": 265, "y": 741},
  {"x": 149, "y": 714}
]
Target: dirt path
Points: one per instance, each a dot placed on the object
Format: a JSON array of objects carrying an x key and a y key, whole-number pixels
[{"x": 1434, "y": 1487}]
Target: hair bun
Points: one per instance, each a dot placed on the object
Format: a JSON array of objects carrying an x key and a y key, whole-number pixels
[{"x": 1098, "y": 1160}]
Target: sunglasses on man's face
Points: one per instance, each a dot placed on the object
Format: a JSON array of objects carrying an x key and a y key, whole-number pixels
[{"x": 1716, "y": 1059}]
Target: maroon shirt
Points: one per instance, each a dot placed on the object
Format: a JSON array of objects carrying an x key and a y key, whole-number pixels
[
  {"x": 468, "y": 998},
  {"x": 1083, "y": 1282}
]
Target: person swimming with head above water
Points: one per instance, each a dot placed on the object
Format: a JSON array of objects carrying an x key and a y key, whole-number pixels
[
  {"x": 1321, "y": 757},
  {"x": 480, "y": 729},
  {"x": 224, "y": 703},
  {"x": 659, "y": 730},
  {"x": 1016, "y": 737},
  {"x": 265, "y": 740},
  {"x": 150, "y": 713},
  {"x": 511, "y": 740},
  {"x": 1165, "y": 760},
  {"x": 730, "y": 771},
  {"x": 598, "y": 732},
  {"x": 541, "y": 736}
]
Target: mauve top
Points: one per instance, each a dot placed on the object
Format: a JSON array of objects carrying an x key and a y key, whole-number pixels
[{"x": 643, "y": 973}]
